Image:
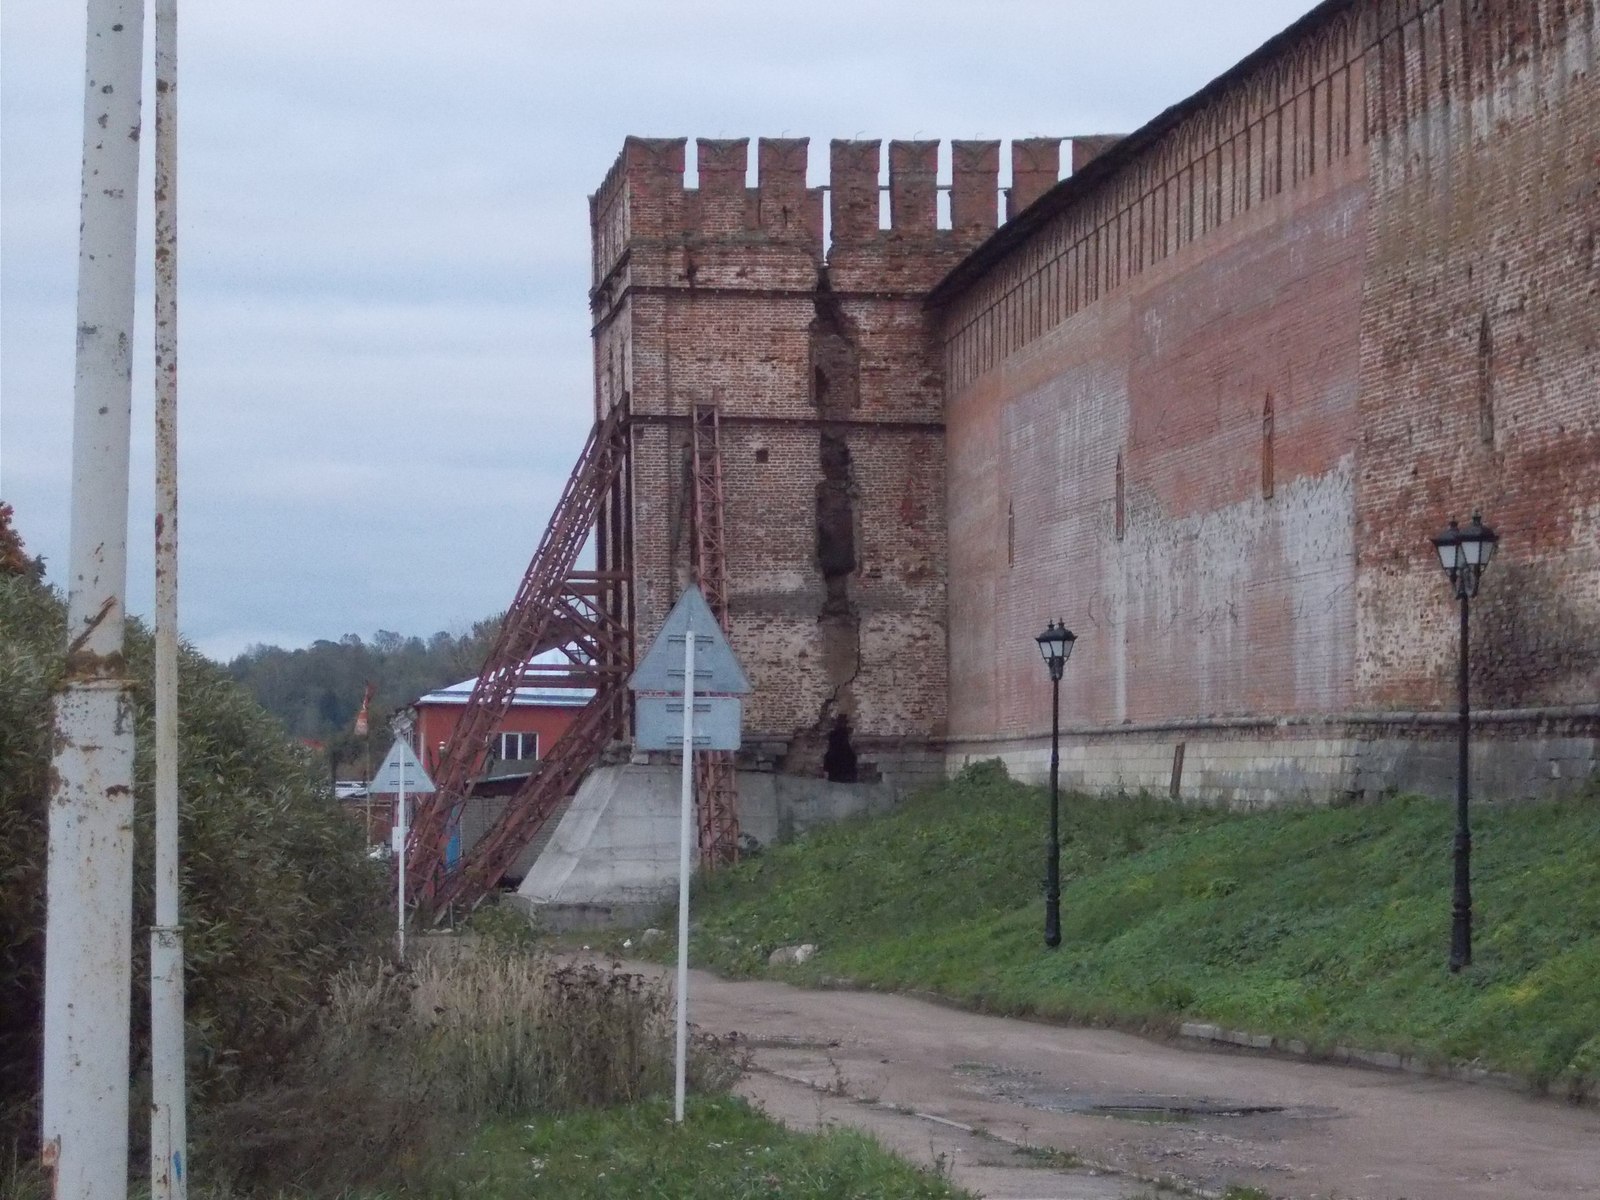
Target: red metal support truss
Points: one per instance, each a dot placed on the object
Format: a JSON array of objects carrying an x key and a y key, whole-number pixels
[
  {"x": 716, "y": 785},
  {"x": 556, "y": 607}
]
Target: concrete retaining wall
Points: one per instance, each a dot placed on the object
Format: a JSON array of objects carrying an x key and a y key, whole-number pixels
[
  {"x": 613, "y": 857},
  {"x": 1516, "y": 754}
]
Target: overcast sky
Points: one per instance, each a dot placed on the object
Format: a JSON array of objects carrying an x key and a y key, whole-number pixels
[{"x": 384, "y": 250}]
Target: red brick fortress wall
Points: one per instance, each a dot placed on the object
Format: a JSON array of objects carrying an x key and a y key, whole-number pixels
[
  {"x": 828, "y": 381},
  {"x": 1480, "y": 349},
  {"x": 1152, "y": 419},
  {"x": 1208, "y": 400}
]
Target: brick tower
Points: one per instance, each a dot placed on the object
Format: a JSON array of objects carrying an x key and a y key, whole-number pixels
[{"x": 827, "y": 378}]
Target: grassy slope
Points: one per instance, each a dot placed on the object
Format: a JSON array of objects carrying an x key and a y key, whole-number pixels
[{"x": 1328, "y": 925}]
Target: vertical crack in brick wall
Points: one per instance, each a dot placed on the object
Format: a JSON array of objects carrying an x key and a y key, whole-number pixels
[
  {"x": 838, "y": 619},
  {"x": 836, "y": 392},
  {"x": 835, "y": 358}
]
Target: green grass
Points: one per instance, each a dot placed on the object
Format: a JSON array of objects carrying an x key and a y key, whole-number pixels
[
  {"x": 724, "y": 1151},
  {"x": 1326, "y": 925}
]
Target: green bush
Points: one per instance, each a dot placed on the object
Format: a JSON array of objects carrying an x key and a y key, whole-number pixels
[{"x": 278, "y": 894}]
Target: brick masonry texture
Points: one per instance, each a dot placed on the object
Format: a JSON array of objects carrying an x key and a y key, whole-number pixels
[{"x": 1206, "y": 403}]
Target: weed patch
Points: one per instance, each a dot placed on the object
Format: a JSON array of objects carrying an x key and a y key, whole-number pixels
[{"x": 403, "y": 1065}]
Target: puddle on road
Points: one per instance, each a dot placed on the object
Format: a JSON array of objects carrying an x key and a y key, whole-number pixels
[
  {"x": 779, "y": 1041},
  {"x": 1032, "y": 1090}
]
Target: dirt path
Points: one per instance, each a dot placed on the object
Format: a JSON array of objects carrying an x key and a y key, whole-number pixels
[{"x": 1152, "y": 1110}]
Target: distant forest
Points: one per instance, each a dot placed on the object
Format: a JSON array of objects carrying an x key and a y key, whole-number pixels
[{"x": 316, "y": 692}]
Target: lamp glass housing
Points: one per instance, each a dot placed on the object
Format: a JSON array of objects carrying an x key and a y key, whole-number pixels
[
  {"x": 1055, "y": 645},
  {"x": 1478, "y": 543},
  {"x": 1448, "y": 544}
]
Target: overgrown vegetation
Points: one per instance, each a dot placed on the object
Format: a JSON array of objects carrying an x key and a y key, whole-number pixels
[
  {"x": 278, "y": 892},
  {"x": 555, "y": 1078},
  {"x": 403, "y": 1066},
  {"x": 1329, "y": 926}
]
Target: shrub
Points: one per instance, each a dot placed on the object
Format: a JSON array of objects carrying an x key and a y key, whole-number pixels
[{"x": 278, "y": 894}]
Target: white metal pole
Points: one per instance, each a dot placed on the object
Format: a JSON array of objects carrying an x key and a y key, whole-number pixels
[
  {"x": 400, "y": 853},
  {"x": 89, "y": 888},
  {"x": 685, "y": 821},
  {"x": 169, "y": 1175}
]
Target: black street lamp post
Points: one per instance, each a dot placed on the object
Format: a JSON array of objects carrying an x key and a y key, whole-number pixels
[
  {"x": 1464, "y": 553},
  {"x": 1055, "y": 644}
]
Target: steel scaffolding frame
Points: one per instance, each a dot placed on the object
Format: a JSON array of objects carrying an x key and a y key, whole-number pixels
[
  {"x": 716, "y": 785},
  {"x": 581, "y": 613}
]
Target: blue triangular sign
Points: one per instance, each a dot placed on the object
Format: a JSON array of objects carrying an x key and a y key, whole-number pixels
[
  {"x": 716, "y": 669},
  {"x": 401, "y": 764}
]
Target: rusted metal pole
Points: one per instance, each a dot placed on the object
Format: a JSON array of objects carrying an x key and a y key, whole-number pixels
[
  {"x": 89, "y": 888},
  {"x": 169, "y": 1167}
]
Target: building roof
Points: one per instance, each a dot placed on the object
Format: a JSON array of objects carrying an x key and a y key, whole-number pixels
[
  {"x": 1063, "y": 195},
  {"x": 526, "y": 696}
]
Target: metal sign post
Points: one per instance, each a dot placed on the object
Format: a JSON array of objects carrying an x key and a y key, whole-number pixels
[
  {"x": 169, "y": 1138},
  {"x": 400, "y": 875},
  {"x": 705, "y": 692},
  {"x": 401, "y": 772},
  {"x": 685, "y": 821}
]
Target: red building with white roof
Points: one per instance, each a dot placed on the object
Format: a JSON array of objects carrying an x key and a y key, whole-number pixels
[{"x": 537, "y": 717}]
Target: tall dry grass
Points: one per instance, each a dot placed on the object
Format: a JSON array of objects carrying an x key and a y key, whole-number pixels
[{"x": 404, "y": 1064}]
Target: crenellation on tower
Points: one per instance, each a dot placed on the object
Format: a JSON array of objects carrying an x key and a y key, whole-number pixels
[
  {"x": 974, "y": 187},
  {"x": 913, "y": 188},
  {"x": 786, "y": 208},
  {"x": 722, "y": 205},
  {"x": 1088, "y": 147},
  {"x": 653, "y": 177},
  {"x": 1035, "y": 168},
  {"x": 853, "y": 190}
]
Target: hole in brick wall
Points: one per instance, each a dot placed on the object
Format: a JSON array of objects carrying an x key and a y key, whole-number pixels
[
  {"x": 942, "y": 218},
  {"x": 885, "y": 221},
  {"x": 1485, "y": 380},
  {"x": 836, "y": 534},
  {"x": 819, "y": 387},
  {"x": 1011, "y": 535},
  {"x": 761, "y": 454},
  {"x": 1119, "y": 515},
  {"x": 1267, "y": 448},
  {"x": 839, "y": 760}
]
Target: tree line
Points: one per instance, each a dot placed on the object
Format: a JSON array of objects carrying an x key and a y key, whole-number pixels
[{"x": 318, "y": 690}]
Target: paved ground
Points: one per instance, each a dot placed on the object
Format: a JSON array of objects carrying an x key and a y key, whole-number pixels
[{"x": 918, "y": 1075}]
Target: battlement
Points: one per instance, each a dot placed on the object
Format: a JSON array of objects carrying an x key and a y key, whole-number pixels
[{"x": 644, "y": 195}]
